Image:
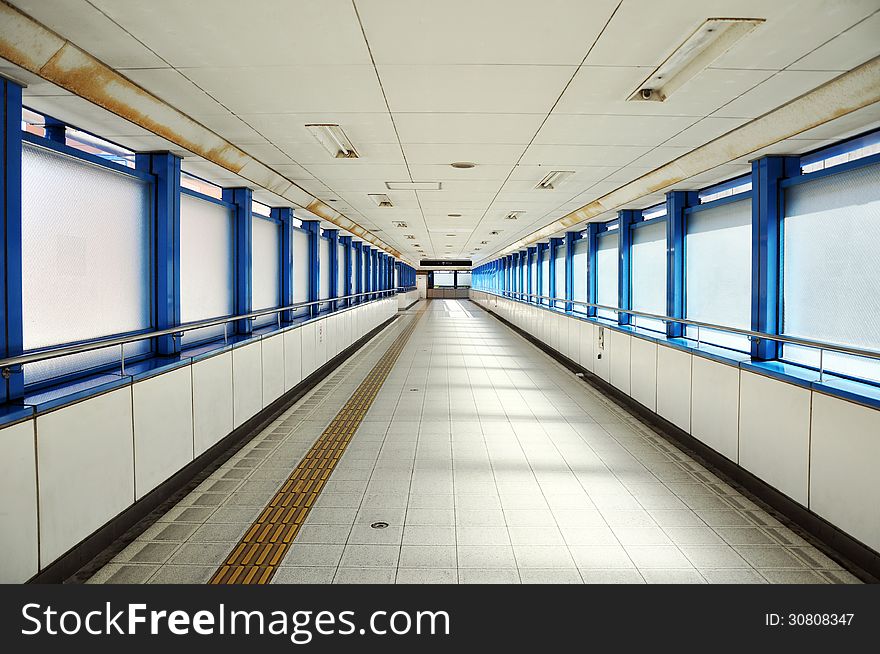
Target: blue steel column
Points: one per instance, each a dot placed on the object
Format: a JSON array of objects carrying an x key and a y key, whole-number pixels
[
  {"x": 676, "y": 228},
  {"x": 285, "y": 216},
  {"x": 374, "y": 271},
  {"x": 625, "y": 220},
  {"x": 767, "y": 214},
  {"x": 532, "y": 261},
  {"x": 542, "y": 252},
  {"x": 346, "y": 263},
  {"x": 313, "y": 227},
  {"x": 242, "y": 198},
  {"x": 166, "y": 211},
  {"x": 593, "y": 238},
  {"x": 570, "y": 239},
  {"x": 514, "y": 274},
  {"x": 367, "y": 270},
  {"x": 12, "y": 336}
]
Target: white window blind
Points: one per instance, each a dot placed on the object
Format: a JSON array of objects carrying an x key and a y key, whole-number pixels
[
  {"x": 265, "y": 267},
  {"x": 580, "y": 259},
  {"x": 300, "y": 269},
  {"x": 607, "y": 275}
]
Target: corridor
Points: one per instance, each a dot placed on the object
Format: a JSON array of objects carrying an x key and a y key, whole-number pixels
[{"x": 480, "y": 460}]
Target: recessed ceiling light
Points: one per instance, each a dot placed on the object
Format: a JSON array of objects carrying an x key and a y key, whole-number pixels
[
  {"x": 513, "y": 215},
  {"x": 454, "y": 215},
  {"x": 411, "y": 237},
  {"x": 333, "y": 139},
  {"x": 463, "y": 164},
  {"x": 399, "y": 223},
  {"x": 381, "y": 199},
  {"x": 450, "y": 235},
  {"x": 495, "y": 232},
  {"x": 412, "y": 186},
  {"x": 484, "y": 242},
  {"x": 554, "y": 179}
]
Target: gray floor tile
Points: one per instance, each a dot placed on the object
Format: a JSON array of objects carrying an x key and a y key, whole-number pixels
[
  {"x": 304, "y": 575},
  {"x": 550, "y": 576},
  {"x": 370, "y": 556},
  {"x": 365, "y": 575},
  {"x": 613, "y": 576},
  {"x": 672, "y": 576},
  {"x": 427, "y": 576},
  {"x": 183, "y": 574},
  {"x": 488, "y": 576}
]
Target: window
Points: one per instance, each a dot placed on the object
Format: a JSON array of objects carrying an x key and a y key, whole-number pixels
[
  {"x": 207, "y": 276},
  {"x": 648, "y": 273},
  {"x": 265, "y": 268},
  {"x": 559, "y": 273},
  {"x": 545, "y": 274},
  {"x": 324, "y": 271},
  {"x": 86, "y": 251},
  {"x": 718, "y": 271},
  {"x": 464, "y": 280},
  {"x": 579, "y": 263},
  {"x": 533, "y": 276},
  {"x": 831, "y": 283},
  {"x": 607, "y": 274},
  {"x": 444, "y": 279},
  {"x": 340, "y": 269},
  {"x": 300, "y": 270},
  {"x": 354, "y": 264}
]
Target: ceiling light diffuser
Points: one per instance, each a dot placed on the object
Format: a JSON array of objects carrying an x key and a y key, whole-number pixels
[
  {"x": 333, "y": 139},
  {"x": 553, "y": 179}
]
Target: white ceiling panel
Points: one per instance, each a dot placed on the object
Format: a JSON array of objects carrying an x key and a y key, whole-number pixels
[
  {"x": 268, "y": 153},
  {"x": 581, "y": 129},
  {"x": 473, "y": 89},
  {"x": 660, "y": 155},
  {"x": 556, "y": 156},
  {"x": 467, "y": 128},
  {"x": 199, "y": 34},
  {"x": 378, "y": 172},
  {"x": 94, "y": 32},
  {"x": 230, "y": 127},
  {"x": 776, "y": 91},
  {"x": 444, "y": 172},
  {"x": 705, "y": 130},
  {"x": 432, "y": 32},
  {"x": 846, "y": 51},
  {"x": 370, "y": 153},
  {"x": 605, "y": 89},
  {"x": 446, "y": 153},
  {"x": 171, "y": 86},
  {"x": 85, "y": 115},
  {"x": 279, "y": 89}
]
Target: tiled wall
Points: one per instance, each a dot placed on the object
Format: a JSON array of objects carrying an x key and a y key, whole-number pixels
[
  {"x": 822, "y": 451},
  {"x": 67, "y": 472}
]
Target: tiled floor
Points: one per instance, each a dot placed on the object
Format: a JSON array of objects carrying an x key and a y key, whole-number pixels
[{"x": 491, "y": 463}]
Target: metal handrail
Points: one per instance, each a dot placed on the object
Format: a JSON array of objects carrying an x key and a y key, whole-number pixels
[
  {"x": 753, "y": 335},
  {"x": 176, "y": 331}
]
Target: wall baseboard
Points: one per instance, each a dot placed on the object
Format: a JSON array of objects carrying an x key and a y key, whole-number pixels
[
  {"x": 93, "y": 552},
  {"x": 852, "y": 554}
]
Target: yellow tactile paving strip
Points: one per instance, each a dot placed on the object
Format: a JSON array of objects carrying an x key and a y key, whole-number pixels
[{"x": 256, "y": 557}]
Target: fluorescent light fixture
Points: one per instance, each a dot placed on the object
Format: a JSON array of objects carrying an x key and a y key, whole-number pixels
[
  {"x": 710, "y": 40},
  {"x": 381, "y": 200},
  {"x": 333, "y": 139},
  {"x": 412, "y": 186},
  {"x": 554, "y": 179},
  {"x": 513, "y": 215},
  {"x": 399, "y": 223}
]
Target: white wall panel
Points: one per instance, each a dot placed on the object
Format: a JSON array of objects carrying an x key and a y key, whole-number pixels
[
  {"x": 320, "y": 343},
  {"x": 573, "y": 350},
  {"x": 18, "y": 503},
  {"x": 247, "y": 382},
  {"x": 85, "y": 456},
  {"x": 309, "y": 364},
  {"x": 643, "y": 375},
  {"x": 715, "y": 406},
  {"x": 345, "y": 319},
  {"x": 674, "y": 386},
  {"x": 602, "y": 344},
  {"x": 212, "y": 400},
  {"x": 586, "y": 343},
  {"x": 163, "y": 428},
  {"x": 774, "y": 433},
  {"x": 845, "y": 453},
  {"x": 272, "y": 353},
  {"x": 293, "y": 374},
  {"x": 620, "y": 362}
]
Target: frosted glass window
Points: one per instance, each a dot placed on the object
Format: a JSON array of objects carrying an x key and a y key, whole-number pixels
[
  {"x": 580, "y": 260},
  {"x": 340, "y": 267},
  {"x": 464, "y": 280},
  {"x": 365, "y": 278},
  {"x": 396, "y": 277},
  {"x": 300, "y": 269},
  {"x": 354, "y": 264},
  {"x": 533, "y": 276},
  {"x": 545, "y": 275},
  {"x": 324, "y": 270},
  {"x": 559, "y": 273},
  {"x": 265, "y": 268},
  {"x": 444, "y": 279},
  {"x": 648, "y": 273},
  {"x": 718, "y": 269},
  {"x": 831, "y": 276},
  {"x": 607, "y": 275},
  {"x": 86, "y": 244},
  {"x": 207, "y": 278}
]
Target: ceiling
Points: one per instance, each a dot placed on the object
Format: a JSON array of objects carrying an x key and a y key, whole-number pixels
[{"x": 519, "y": 88}]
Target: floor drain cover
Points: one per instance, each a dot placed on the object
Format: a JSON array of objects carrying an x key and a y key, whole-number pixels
[{"x": 379, "y": 525}]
